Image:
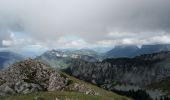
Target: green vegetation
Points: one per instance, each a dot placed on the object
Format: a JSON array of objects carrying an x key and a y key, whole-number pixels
[
  {"x": 63, "y": 75},
  {"x": 62, "y": 96},
  {"x": 163, "y": 85},
  {"x": 62, "y": 64}
]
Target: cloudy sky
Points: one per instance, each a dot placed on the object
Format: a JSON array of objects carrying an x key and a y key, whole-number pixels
[{"x": 46, "y": 24}]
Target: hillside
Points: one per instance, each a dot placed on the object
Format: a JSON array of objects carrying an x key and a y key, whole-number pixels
[
  {"x": 63, "y": 59},
  {"x": 32, "y": 79},
  {"x": 125, "y": 73}
]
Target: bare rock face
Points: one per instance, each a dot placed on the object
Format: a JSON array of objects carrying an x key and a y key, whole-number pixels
[
  {"x": 139, "y": 71},
  {"x": 6, "y": 90},
  {"x": 25, "y": 88},
  {"x": 30, "y": 76},
  {"x": 56, "y": 82}
]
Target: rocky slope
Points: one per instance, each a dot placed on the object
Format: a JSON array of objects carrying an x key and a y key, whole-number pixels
[
  {"x": 137, "y": 72},
  {"x": 35, "y": 77},
  {"x": 30, "y": 76}
]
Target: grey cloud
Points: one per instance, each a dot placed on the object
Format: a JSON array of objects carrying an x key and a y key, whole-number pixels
[
  {"x": 3, "y": 35},
  {"x": 91, "y": 20}
]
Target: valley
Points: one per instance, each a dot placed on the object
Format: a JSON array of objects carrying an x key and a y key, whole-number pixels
[{"x": 141, "y": 77}]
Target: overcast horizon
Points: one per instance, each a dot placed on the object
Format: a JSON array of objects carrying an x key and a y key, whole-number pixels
[{"x": 39, "y": 25}]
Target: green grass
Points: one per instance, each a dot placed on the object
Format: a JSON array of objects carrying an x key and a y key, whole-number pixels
[
  {"x": 104, "y": 94},
  {"x": 61, "y": 63},
  {"x": 62, "y": 96}
]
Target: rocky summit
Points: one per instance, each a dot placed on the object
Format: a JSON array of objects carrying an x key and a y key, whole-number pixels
[{"x": 31, "y": 76}]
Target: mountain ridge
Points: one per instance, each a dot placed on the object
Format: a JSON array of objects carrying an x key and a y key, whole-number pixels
[
  {"x": 132, "y": 51},
  {"x": 62, "y": 59},
  {"x": 140, "y": 71},
  {"x": 33, "y": 76}
]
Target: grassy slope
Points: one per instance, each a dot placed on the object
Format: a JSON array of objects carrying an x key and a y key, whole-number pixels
[{"x": 62, "y": 95}]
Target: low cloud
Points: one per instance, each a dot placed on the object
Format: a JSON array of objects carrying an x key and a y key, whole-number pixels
[{"x": 95, "y": 23}]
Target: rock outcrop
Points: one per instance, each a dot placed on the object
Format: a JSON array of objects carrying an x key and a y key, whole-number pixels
[{"x": 31, "y": 76}]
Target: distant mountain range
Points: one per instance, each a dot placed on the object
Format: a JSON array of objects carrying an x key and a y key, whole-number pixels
[
  {"x": 7, "y": 58},
  {"x": 132, "y": 51},
  {"x": 63, "y": 59}
]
